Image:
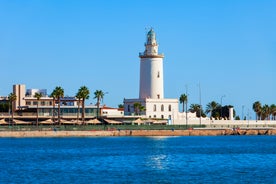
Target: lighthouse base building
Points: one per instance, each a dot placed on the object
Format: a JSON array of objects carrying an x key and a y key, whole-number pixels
[
  {"x": 151, "y": 102},
  {"x": 153, "y": 108}
]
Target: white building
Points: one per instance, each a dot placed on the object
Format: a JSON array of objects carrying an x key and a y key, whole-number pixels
[
  {"x": 111, "y": 112},
  {"x": 151, "y": 92}
]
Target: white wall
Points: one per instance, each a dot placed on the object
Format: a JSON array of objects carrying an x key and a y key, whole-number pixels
[{"x": 151, "y": 78}]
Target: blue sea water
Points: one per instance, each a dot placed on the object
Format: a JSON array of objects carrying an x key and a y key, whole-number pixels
[{"x": 220, "y": 159}]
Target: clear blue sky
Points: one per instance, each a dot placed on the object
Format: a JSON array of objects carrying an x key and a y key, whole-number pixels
[{"x": 229, "y": 47}]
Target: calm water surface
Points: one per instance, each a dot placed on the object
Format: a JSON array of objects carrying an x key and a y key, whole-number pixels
[{"x": 222, "y": 159}]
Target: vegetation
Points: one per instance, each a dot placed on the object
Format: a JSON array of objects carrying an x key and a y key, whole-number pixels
[
  {"x": 183, "y": 99},
  {"x": 78, "y": 97},
  {"x": 210, "y": 107},
  {"x": 264, "y": 112},
  {"x": 12, "y": 97},
  {"x": 83, "y": 94},
  {"x": 257, "y": 107},
  {"x": 121, "y": 106},
  {"x": 99, "y": 94},
  {"x": 138, "y": 108},
  {"x": 196, "y": 108},
  {"x": 58, "y": 93},
  {"x": 37, "y": 96},
  {"x": 4, "y": 106},
  {"x": 53, "y": 103}
]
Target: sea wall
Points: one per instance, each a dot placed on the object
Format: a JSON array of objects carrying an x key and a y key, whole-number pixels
[{"x": 194, "y": 132}]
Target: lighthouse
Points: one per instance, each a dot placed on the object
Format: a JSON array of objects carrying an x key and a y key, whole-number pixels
[
  {"x": 151, "y": 86},
  {"x": 151, "y": 70}
]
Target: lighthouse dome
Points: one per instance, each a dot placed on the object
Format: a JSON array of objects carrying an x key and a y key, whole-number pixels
[{"x": 151, "y": 34}]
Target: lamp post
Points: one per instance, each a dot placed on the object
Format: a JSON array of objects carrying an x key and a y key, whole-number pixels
[
  {"x": 242, "y": 112},
  {"x": 199, "y": 104},
  {"x": 221, "y": 105},
  {"x": 103, "y": 95},
  {"x": 186, "y": 106}
]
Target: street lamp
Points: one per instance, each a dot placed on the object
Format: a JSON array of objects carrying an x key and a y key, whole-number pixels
[
  {"x": 199, "y": 104},
  {"x": 103, "y": 96},
  {"x": 186, "y": 106},
  {"x": 221, "y": 105},
  {"x": 242, "y": 112}
]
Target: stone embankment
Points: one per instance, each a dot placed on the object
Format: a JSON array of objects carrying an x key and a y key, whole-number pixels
[{"x": 194, "y": 132}]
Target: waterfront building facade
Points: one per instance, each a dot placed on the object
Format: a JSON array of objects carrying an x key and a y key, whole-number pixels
[{"x": 26, "y": 104}]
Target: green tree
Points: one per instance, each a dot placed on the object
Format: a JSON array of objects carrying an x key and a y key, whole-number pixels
[
  {"x": 83, "y": 94},
  {"x": 37, "y": 96},
  {"x": 53, "y": 96},
  {"x": 142, "y": 109},
  {"x": 58, "y": 93},
  {"x": 210, "y": 107},
  {"x": 138, "y": 108},
  {"x": 222, "y": 112},
  {"x": 183, "y": 99},
  {"x": 195, "y": 108},
  {"x": 78, "y": 97},
  {"x": 4, "y": 106},
  {"x": 12, "y": 97},
  {"x": 265, "y": 112},
  {"x": 120, "y": 106},
  {"x": 257, "y": 107},
  {"x": 98, "y": 94},
  {"x": 273, "y": 111}
]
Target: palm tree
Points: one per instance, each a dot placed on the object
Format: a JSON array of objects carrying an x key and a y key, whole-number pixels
[
  {"x": 138, "y": 108},
  {"x": 183, "y": 99},
  {"x": 142, "y": 109},
  {"x": 120, "y": 106},
  {"x": 58, "y": 93},
  {"x": 53, "y": 95},
  {"x": 265, "y": 112},
  {"x": 195, "y": 108},
  {"x": 83, "y": 94},
  {"x": 78, "y": 97},
  {"x": 99, "y": 94},
  {"x": 210, "y": 107},
  {"x": 257, "y": 107},
  {"x": 273, "y": 111},
  {"x": 12, "y": 97},
  {"x": 37, "y": 96}
]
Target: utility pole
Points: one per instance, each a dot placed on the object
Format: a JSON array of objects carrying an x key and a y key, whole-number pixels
[
  {"x": 187, "y": 106},
  {"x": 221, "y": 105},
  {"x": 199, "y": 104}
]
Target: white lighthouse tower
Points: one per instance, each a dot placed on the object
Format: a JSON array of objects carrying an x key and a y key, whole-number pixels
[
  {"x": 151, "y": 70},
  {"x": 151, "y": 89}
]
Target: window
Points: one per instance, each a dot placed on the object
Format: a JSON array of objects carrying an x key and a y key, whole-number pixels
[
  {"x": 154, "y": 107},
  {"x": 162, "y": 116},
  {"x": 162, "y": 107},
  {"x": 28, "y": 103},
  {"x": 154, "y": 116},
  {"x": 128, "y": 108},
  {"x": 42, "y": 103},
  {"x": 158, "y": 74},
  {"x": 158, "y": 96},
  {"x": 170, "y": 116},
  {"x": 170, "y": 108},
  {"x": 34, "y": 103}
]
